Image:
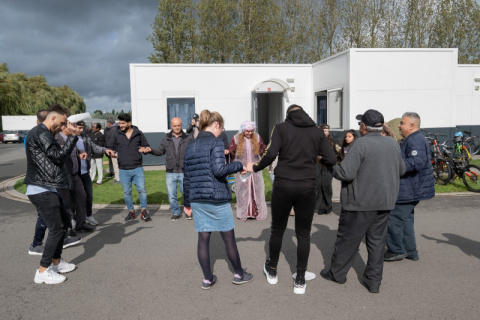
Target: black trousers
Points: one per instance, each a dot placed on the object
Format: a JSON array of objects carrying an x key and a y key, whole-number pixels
[
  {"x": 76, "y": 200},
  {"x": 87, "y": 186},
  {"x": 52, "y": 210},
  {"x": 353, "y": 226},
  {"x": 324, "y": 191},
  {"x": 303, "y": 202}
]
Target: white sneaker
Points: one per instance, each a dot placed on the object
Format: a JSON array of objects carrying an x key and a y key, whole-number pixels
[
  {"x": 49, "y": 277},
  {"x": 63, "y": 267},
  {"x": 271, "y": 277},
  {"x": 91, "y": 220},
  {"x": 299, "y": 288}
]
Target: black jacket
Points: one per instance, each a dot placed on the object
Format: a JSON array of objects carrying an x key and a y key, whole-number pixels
[
  {"x": 297, "y": 142},
  {"x": 127, "y": 149},
  {"x": 46, "y": 159},
  {"x": 174, "y": 160},
  {"x": 68, "y": 162},
  {"x": 97, "y": 139}
]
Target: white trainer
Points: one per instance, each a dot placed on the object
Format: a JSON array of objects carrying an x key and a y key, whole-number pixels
[
  {"x": 91, "y": 220},
  {"x": 49, "y": 277},
  {"x": 299, "y": 288},
  {"x": 271, "y": 277},
  {"x": 63, "y": 267}
]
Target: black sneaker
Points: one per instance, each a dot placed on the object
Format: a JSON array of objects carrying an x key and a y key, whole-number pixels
[
  {"x": 299, "y": 285},
  {"x": 246, "y": 277},
  {"x": 271, "y": 274},
  {"x": 68, "y": 242},
  {"x": 390, "y": 256},
  {"x": 145, "y": 216},
  {"x": 208, "y": 284},
  {"x": 189, "y": 217},
  {"x": 71, "y": 233},
  {"x": 174, "y": 217},
  {"x": 37, "y": 250},
  {"x": 131, "y": 215}
]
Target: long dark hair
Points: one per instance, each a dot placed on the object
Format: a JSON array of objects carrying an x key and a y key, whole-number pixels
[{"x": 345, "y": 144}]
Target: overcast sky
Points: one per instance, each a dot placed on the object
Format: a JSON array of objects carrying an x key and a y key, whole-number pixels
[{"x": 84, "y": 44}]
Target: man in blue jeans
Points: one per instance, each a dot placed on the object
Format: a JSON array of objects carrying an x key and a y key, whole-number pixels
[
  {"x": 173, "y": 145},
  {"x": 128, "y": 141},
  {"x": 415, "y": 185}
]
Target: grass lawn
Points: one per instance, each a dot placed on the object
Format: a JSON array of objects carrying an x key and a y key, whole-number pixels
[{"x": 109, "y": 193}]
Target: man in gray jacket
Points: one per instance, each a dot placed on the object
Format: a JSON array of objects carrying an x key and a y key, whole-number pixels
[
  {"x": 370, "y": 175},
  {"x": 173, "y": 145}
]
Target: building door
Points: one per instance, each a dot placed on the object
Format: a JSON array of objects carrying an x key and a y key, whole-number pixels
[{"x": 268, "y": 112}]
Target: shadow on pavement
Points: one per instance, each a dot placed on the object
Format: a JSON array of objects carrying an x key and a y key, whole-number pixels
[
  {"x": 110, "y": 234},
  {"x": 324, "y": 238},
  {"x": 469, "y": 247}
]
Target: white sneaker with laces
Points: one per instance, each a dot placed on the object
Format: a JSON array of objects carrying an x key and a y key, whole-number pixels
[
  {"x": 299, "y": 288},
  {"x": 63, "y": 267},
  {"x": 91, "y": 220},
  {"x": 49, "y": 277}
]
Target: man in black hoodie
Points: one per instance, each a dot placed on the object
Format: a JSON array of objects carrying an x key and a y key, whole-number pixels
[
  {"x": 127, "y": 140},
  {"x": 297, "y": 142}
]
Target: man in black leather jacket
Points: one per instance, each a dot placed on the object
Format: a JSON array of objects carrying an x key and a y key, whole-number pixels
[{"x": 45, "y": 173}]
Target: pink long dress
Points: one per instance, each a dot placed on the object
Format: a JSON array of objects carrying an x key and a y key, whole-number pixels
[{"x": 251, "y": 193}]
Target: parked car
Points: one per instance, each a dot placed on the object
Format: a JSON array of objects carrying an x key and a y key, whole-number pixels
[
  {"x": 1, "y": 136},
  {"x": 22, "y": 134},
  {"x": 12, "y": 136}
]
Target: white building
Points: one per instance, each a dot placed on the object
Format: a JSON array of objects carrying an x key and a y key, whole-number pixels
[{"x": 334, "y": 90}]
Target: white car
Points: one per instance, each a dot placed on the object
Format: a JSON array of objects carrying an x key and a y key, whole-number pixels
[{"x": 11, "y": 136}]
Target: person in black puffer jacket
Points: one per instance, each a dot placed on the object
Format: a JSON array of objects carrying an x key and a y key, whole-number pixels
[{"x": 206, "y": 193}]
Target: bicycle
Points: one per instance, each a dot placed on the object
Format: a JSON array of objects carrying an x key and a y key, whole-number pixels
[
  {"x": 442, "y": 168},
  {"x": 469, "y": 173},
  {"x": 473, "y": 142}
]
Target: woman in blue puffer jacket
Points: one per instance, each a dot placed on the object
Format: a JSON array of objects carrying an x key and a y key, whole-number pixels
[{"x": 206, "y": 193}]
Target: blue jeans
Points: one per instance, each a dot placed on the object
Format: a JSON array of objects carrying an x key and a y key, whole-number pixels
[
  {"x": 137, "y": 176},
  {"x": 172, "y": 180},
  {"x": 401, "y": 234}
]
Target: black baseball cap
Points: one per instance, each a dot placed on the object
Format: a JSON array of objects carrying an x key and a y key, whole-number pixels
[
  {"x": 195, "y": 116},
  {"x": 371, "y": 118}
]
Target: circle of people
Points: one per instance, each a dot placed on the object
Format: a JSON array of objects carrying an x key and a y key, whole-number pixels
[{"x": 382, "y": 182}]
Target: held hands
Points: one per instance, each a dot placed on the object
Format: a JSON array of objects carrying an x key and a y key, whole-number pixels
[
  {"x": 188, "y": 211},
  {"x": 145, "y": 150},
  {"x": 83, "y": 155},
  {"x": 110, "y": 153},
  {"x": 249, "y": 167},
  {"x": 227, "y": 151}
]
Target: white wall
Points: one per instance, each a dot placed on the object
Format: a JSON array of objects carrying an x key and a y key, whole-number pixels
[
  {"x": 395, "y": 81},
  {"x": 467, "y": 95},
  {"x": 224, "y": 88},
  {"x": 18, "y": 122}
]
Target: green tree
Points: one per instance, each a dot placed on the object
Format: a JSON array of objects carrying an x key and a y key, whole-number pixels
[
  {"x": 218, "y": 29},
  {"x": 173, "y": 36}
]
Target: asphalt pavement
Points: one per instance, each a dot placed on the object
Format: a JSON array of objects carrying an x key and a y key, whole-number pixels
[{"x": 149, "y": 270}]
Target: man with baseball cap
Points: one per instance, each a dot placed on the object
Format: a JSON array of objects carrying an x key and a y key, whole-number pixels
[{"x": 370, "y": 175}]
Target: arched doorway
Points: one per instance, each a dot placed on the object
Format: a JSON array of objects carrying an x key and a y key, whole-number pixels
[{"x": 268, "y": 105}]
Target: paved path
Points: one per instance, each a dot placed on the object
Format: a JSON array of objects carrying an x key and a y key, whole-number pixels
[{"x": 149, "y": 270}]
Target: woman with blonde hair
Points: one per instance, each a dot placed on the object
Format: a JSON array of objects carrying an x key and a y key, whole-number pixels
[
  {"x": 247, "y": 146},
  {"x": 207, "y": 195}
]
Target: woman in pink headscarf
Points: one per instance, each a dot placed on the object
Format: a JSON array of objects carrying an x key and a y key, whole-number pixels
[{"x": 247, "y": 146}]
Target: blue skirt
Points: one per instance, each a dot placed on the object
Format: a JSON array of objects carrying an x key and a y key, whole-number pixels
[{"x": 211, "y": 216}]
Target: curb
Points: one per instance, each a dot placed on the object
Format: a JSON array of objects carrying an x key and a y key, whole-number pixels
[{"x": 8, "y": 191}]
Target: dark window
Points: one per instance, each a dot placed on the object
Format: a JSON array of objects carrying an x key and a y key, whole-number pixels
[
  {"x": 183, "y": 108},
  {"x": 321, "y": 109}
]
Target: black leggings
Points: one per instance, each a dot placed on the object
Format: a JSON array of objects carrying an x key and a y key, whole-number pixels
[
  {"x": 303, "y": 202},
  {"x": 203, "y": 252}
]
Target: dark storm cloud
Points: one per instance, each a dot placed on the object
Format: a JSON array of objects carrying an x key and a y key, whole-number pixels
[{"x": 86, "y": 45}]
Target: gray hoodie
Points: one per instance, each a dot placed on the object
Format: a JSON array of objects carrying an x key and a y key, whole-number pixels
[{"x": 370, "y": 173}]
